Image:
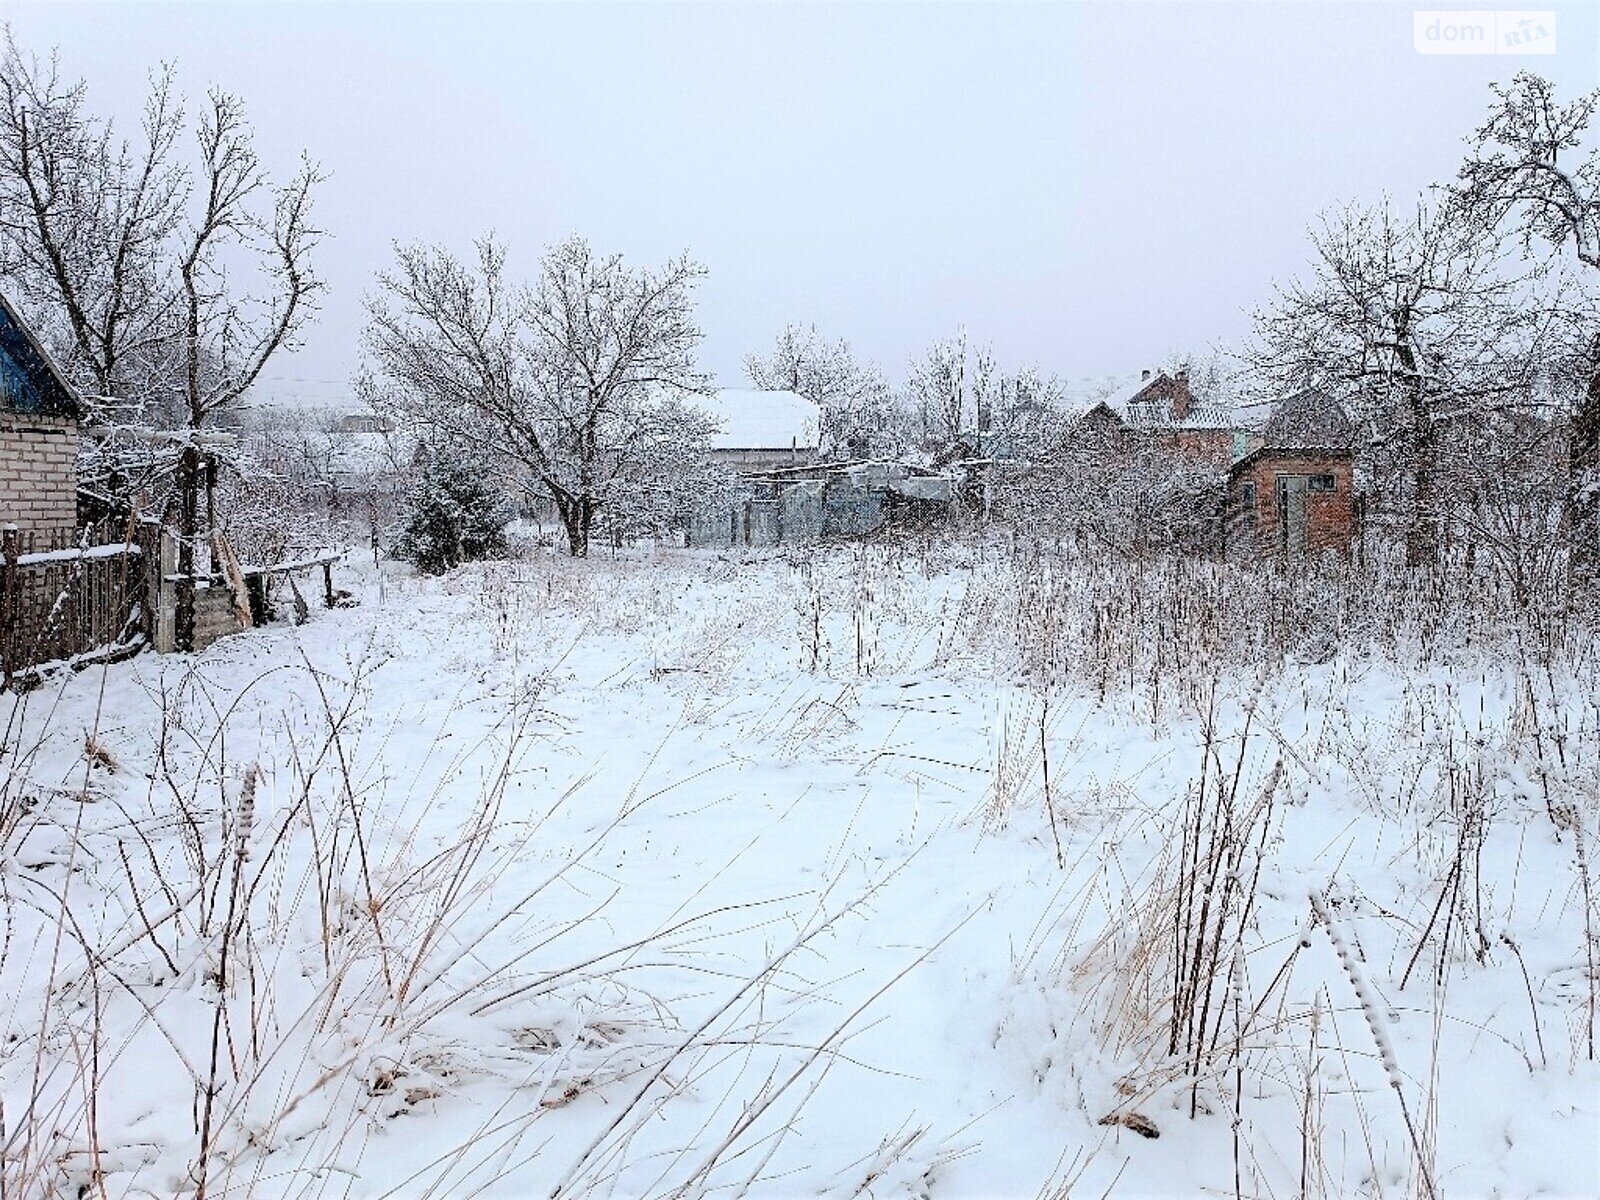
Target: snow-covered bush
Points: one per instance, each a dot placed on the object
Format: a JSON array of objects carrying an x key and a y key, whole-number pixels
[
  {"x": 453, "y": 513},
  {"x": 1121, "y": 493}
]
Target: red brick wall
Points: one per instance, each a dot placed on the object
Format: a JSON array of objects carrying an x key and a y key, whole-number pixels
[
  {"x": 38, "y": 471},
  {"x": 1204, "y": 445},
  {"x": 1329, "y": 515}
]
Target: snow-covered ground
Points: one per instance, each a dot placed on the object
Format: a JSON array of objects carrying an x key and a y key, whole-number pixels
[{"x": 676, "y": 874}]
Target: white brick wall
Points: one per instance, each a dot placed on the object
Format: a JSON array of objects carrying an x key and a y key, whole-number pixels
[{"x": 38, "y": 471}]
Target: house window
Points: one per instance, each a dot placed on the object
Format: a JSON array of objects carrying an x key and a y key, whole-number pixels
[{"x": 1320, "y": 483}]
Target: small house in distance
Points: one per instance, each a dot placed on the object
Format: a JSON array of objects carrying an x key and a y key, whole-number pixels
[
  {"x": 785, "y": 495},
  {"x": 762, "y": 430},
  {"x": 1159, "y": 406},
  {"x": 38, "y": 433},
  {"x": 365, "y": 422},
  {"x": 1293, "y": 493}
]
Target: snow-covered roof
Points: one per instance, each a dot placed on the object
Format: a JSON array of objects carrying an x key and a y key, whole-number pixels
[
  {"x": 755, "y": 419},
  {"x": 1213, "y": 416},
  {"x": 1119, "y": 394},
  {"x": 1309, "y": 420},
  {"x": 1121, "y": 397},
  {"x": 1085, "y": 392}
]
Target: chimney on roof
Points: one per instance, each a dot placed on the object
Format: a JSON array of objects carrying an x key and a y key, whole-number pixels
[
  {"x": 1182, "y": 397},
  {"x": 1144, "y": 375}
]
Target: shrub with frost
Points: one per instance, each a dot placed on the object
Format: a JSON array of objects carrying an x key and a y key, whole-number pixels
[{"x": 454, "y": 512}]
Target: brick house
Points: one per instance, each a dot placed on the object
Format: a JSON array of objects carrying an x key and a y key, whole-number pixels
[
  {"x": 1294, "y": 493},
  {"x": 1283, "y": 469},
  {"x": 1162, "y": 406},
  {"x": 38, "y": 433}
]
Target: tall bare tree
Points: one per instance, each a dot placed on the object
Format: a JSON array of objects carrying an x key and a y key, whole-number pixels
[
  {"x": 229, "y": 333},
  {"x": 582, "y": 382},
  {"x": 938, "y": 395},
  {"x": 166, "y": 282},
  {"x": 169, "y": 283},
  {"x": 87, "y": 221},
  {"x": 961, "y": 401},
  {"x": 1412, "y": 320},
  {"x": 1529, "y": 168},
  {"x": 853, "y": 397}
]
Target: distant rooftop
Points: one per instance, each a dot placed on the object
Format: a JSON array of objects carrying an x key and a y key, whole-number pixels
[
  {"x": 1309, "y": 420},
  {"x": 366, "y": 422},
  {"x": 754, "y": 419},
  {"x": 1083, "y": 392},
  {"x": 1123, "y": 395}
]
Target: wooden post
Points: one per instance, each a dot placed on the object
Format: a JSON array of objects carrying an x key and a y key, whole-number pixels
[
  {"x": 10, "y": 582},
  {"x": 166, "y": 639},
  {"x": 188, "y": 520},
  {"x": 211, "y": 507},
  {"x": 327, "y": 584},
  {"x": 148, "y": 535}
]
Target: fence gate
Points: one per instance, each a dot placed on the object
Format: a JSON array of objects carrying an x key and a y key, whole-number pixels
[{"x": 72, "y": 596}]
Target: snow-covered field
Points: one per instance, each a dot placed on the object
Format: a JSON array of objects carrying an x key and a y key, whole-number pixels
[{"x": 888, "y": 872}]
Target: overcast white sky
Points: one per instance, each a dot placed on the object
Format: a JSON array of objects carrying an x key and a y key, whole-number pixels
[{"x": 1087, "y": 186}]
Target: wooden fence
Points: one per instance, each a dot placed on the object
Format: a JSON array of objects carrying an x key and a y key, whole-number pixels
[{"x": 71, "y": 595}]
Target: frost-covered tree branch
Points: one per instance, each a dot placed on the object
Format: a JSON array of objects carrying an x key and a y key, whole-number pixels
[
  {"x": 228, "y": 337},
  {"x": 581, "y": 382},
  {"x": 1529, "y": 170},
  {"x": 854, "y": 398}
]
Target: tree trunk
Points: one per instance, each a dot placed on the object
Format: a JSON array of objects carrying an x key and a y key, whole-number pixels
[
  {"x": 1422, "y": 537},
  {"x": 1422, "y": 534},
  {"x": 577, "y": 518},
  {"x": 1583, "y": 485},
  {"x": 188, "y": 527}
]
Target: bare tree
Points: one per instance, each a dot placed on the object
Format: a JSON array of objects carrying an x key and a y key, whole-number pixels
[
  {"x": 1528, "y": 168},
  {"x": 962, "y": 402},
  {"x": 228, "y": 334},
  {"x": 938, "y": 397},
  {"x": 1017, "y": 411},
  {"x": 1413, "y": 321},
  {"x": 580, "y": 383},
  {"x": 86, "y": 225},
  {"x": 444, "y": 338},
  {"x": 138, "y": 260},
  {"x": 854, "y": 398}
]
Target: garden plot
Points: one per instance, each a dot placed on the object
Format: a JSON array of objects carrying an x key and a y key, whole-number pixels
[{"x": 873, "y": 873}]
